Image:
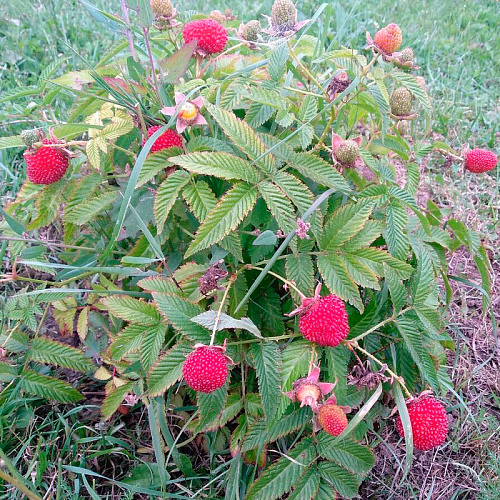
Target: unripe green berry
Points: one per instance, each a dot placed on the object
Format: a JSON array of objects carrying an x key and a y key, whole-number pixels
[
  {"x": 406, "y": 55},
  {"x": 29, "y": 137},
  {"x": 347, "y": 152},
  {"x": 251, "y": 31},
  {"x": 283, "y": 14},
  {"x": 404, "y": 127},
  {"x": 162, "y": 7},
  {"x": 401, "y": 101}
]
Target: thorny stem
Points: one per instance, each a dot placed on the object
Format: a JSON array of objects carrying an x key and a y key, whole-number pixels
[
  {"x": 127, "y": 29},
  {"x": 450, "y": 154},
  {"x": 232, "y": 279},
  {"x": 352, "y": 343},
  {"x": 305, "y": 71},
  {"x": 145, "y": 32},
  {"x": 365, "y": 70}
]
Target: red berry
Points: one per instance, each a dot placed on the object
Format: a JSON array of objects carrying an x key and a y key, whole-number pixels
[
  {"x": 325, "y": 322},
  {"x": 211, "y": 36},
  {"x": 332, "y": 419},
  {"x": 205, "y": 369},
  {"x": 168, "y": 139},
  {"x": 480, "y": 160},
  {"x": 47, "y": 165},
  {"x": 429, "y": 423},
  {"x": 389, "y": 38}
]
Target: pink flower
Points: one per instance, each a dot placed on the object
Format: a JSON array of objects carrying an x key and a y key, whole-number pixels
[
  {"x": 188, "y": 112},
  {"x": 309, "y": 391},
  {"x": 302, "y": 228}
]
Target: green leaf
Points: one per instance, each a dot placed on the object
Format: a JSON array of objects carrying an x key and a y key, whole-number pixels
[
  {"x": 300, "y": 270},
  {"x": 222, "y": 165},
  {"x": 233, "y": 478},
  {"x": 17, "y": 92},
  {"x": 175, "y": 66},
  {"x": 405, "y": 420},
  {"x": 413, "y": 342},
  {"x": 224, "y": 218},
  {"x": 151, "y": 345},
  {"x": 374, "y": 257},
  {"x": 166, "y": 196},
  {"x": 48, "y": 387},
  {"x": 397, "y": 220},
  {"x": 14, "y": 141},
  {"x": 319, "y": 171},
  {"x": 413, "y": 85},
  {"x": 360, "y": 274},
  {"x": 49, "y": 351},
  {"x": 396, "y": 289},
  {"x": 167, "y": 370},
  {"x": 243, "y": 136},
  {"x": 178, "y": 312},
  {"x": 158, "y": 284},
  {"x": 424, "y": 277},
  {"x": 307, "y": 487},
  {"x": 267, "y": 357},
  {"x": 347, "y": 453},
  {"x": 370, "y": 232},
  {"x": 133, "y": 310},
  {"x": 339, "y": 281},
  {"x": 346, "y": 222},
  {"x": 210, "y": 407},
  {"x": 343, "y": 481},
  {"x": 200, "y": 198},
  {"x": 277, "y": 61},
  {"x": 85, "y": 212},
  {"x": 338, "y": 360},
  {"x": 154, "y": 163},
  {"x": 283, "y": 474},
  {"x": 128, "y": 340},
  {"x": 113, "y": 400},
  {"x": 279, "y": 205}
]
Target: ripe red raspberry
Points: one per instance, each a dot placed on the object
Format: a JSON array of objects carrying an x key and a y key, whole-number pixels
[
  {"x": 205, "y": 369},
  {"x": 388, "y": 39},
  {"x": 168, "y": 139},
  {"x": 480, "y": 160},
  {"x": 429, "y": 423},
  {"x": 332, "y": 418},
  {"x": 47, "y": 165},
  {"x": 211, "y": 36},
  {"x": 325, "y": 322}
]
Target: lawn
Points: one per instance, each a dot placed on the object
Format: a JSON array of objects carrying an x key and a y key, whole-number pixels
[{"x": 457, "y": 47}]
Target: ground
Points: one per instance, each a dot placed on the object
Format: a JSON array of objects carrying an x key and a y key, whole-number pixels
[{"x": 456, "y": 45}]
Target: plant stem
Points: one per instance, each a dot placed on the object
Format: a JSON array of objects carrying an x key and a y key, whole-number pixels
[
  {"x": 253, "y": 341},
  {"x": 382, "y": 323},
  {"x": 321, "y": 198},
  {"x": 126, "y": 18},
  {"x": 23, "y": 489},
  {"x": 327, "y": 129},
  {"x": 145, "y": 32},
  {"x": 352, "y": 343},
  {"x": 45, "y": 243},
  {"x": 232, "y": 279},
  {"x": 287, "y": 283},
  {"x": 305, "y": 71}
]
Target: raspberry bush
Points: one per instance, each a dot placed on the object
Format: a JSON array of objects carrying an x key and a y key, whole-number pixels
[{"x": 237, "y": 216}]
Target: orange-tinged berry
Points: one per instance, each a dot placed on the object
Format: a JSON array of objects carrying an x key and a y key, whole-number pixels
[
  {"x": 332, "y": 419},
  {"x": 388, "y": 39}
]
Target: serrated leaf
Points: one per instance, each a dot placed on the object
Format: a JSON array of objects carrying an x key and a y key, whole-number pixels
[
  {"x": 222, "y": 165},
  {"x": 224, "y": 218},
  {"x": 128, "y": 340},
  {"x": 397, "y": 290},
  {"x": 85, "y": 212},
  {"x": 14, "y": 141},
  {"x": 179, "y": 312},
  {"x": 279, "y": 205},
  {"x": 319, "y": 171},
  {"x": 343, "y": 481},
  {"x": 154, "y": 163},
  {"x": 113, "y": 400},
  {"x": 374, "y": 257},
  {"x": 166, "y": 196},
  {"x": 413, "y": 343},
  {"x": 244, "y": 138},
  {"x": 307, "y": 487},
  {"x": 151, "y": 344},
  {"x": 277, "y": 61},
  {"x": 347, "y": 453},
  {"x": 133, "y": 310},
  {"x": 208, "y": 318},
  {"x": 49, "y": 351},
  {"x": 338, "y": 360},
  {"x": 397, "y": 219},
  {"x": 48, "y": 387},
  {"x": 158, "y": 284},
  {"x": 346, "y": 222},
  {"x": 370, "y": 232},
  {"x": 300, "y": 270},
  {"x": 211, "y": 406},
  {"x": 339, "y": 281},
  {"x": 424, "y": 277},
  {"x": 168, "y": 369},
  {"x": 258, "y": 114},
  {"x": 267, "y": 358},
  {"x": 413, "y": 85},
  {"x": 200, "y": 198},
  {"x": 283, "y": 474},
  {"x": 360, "y": 274}
]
